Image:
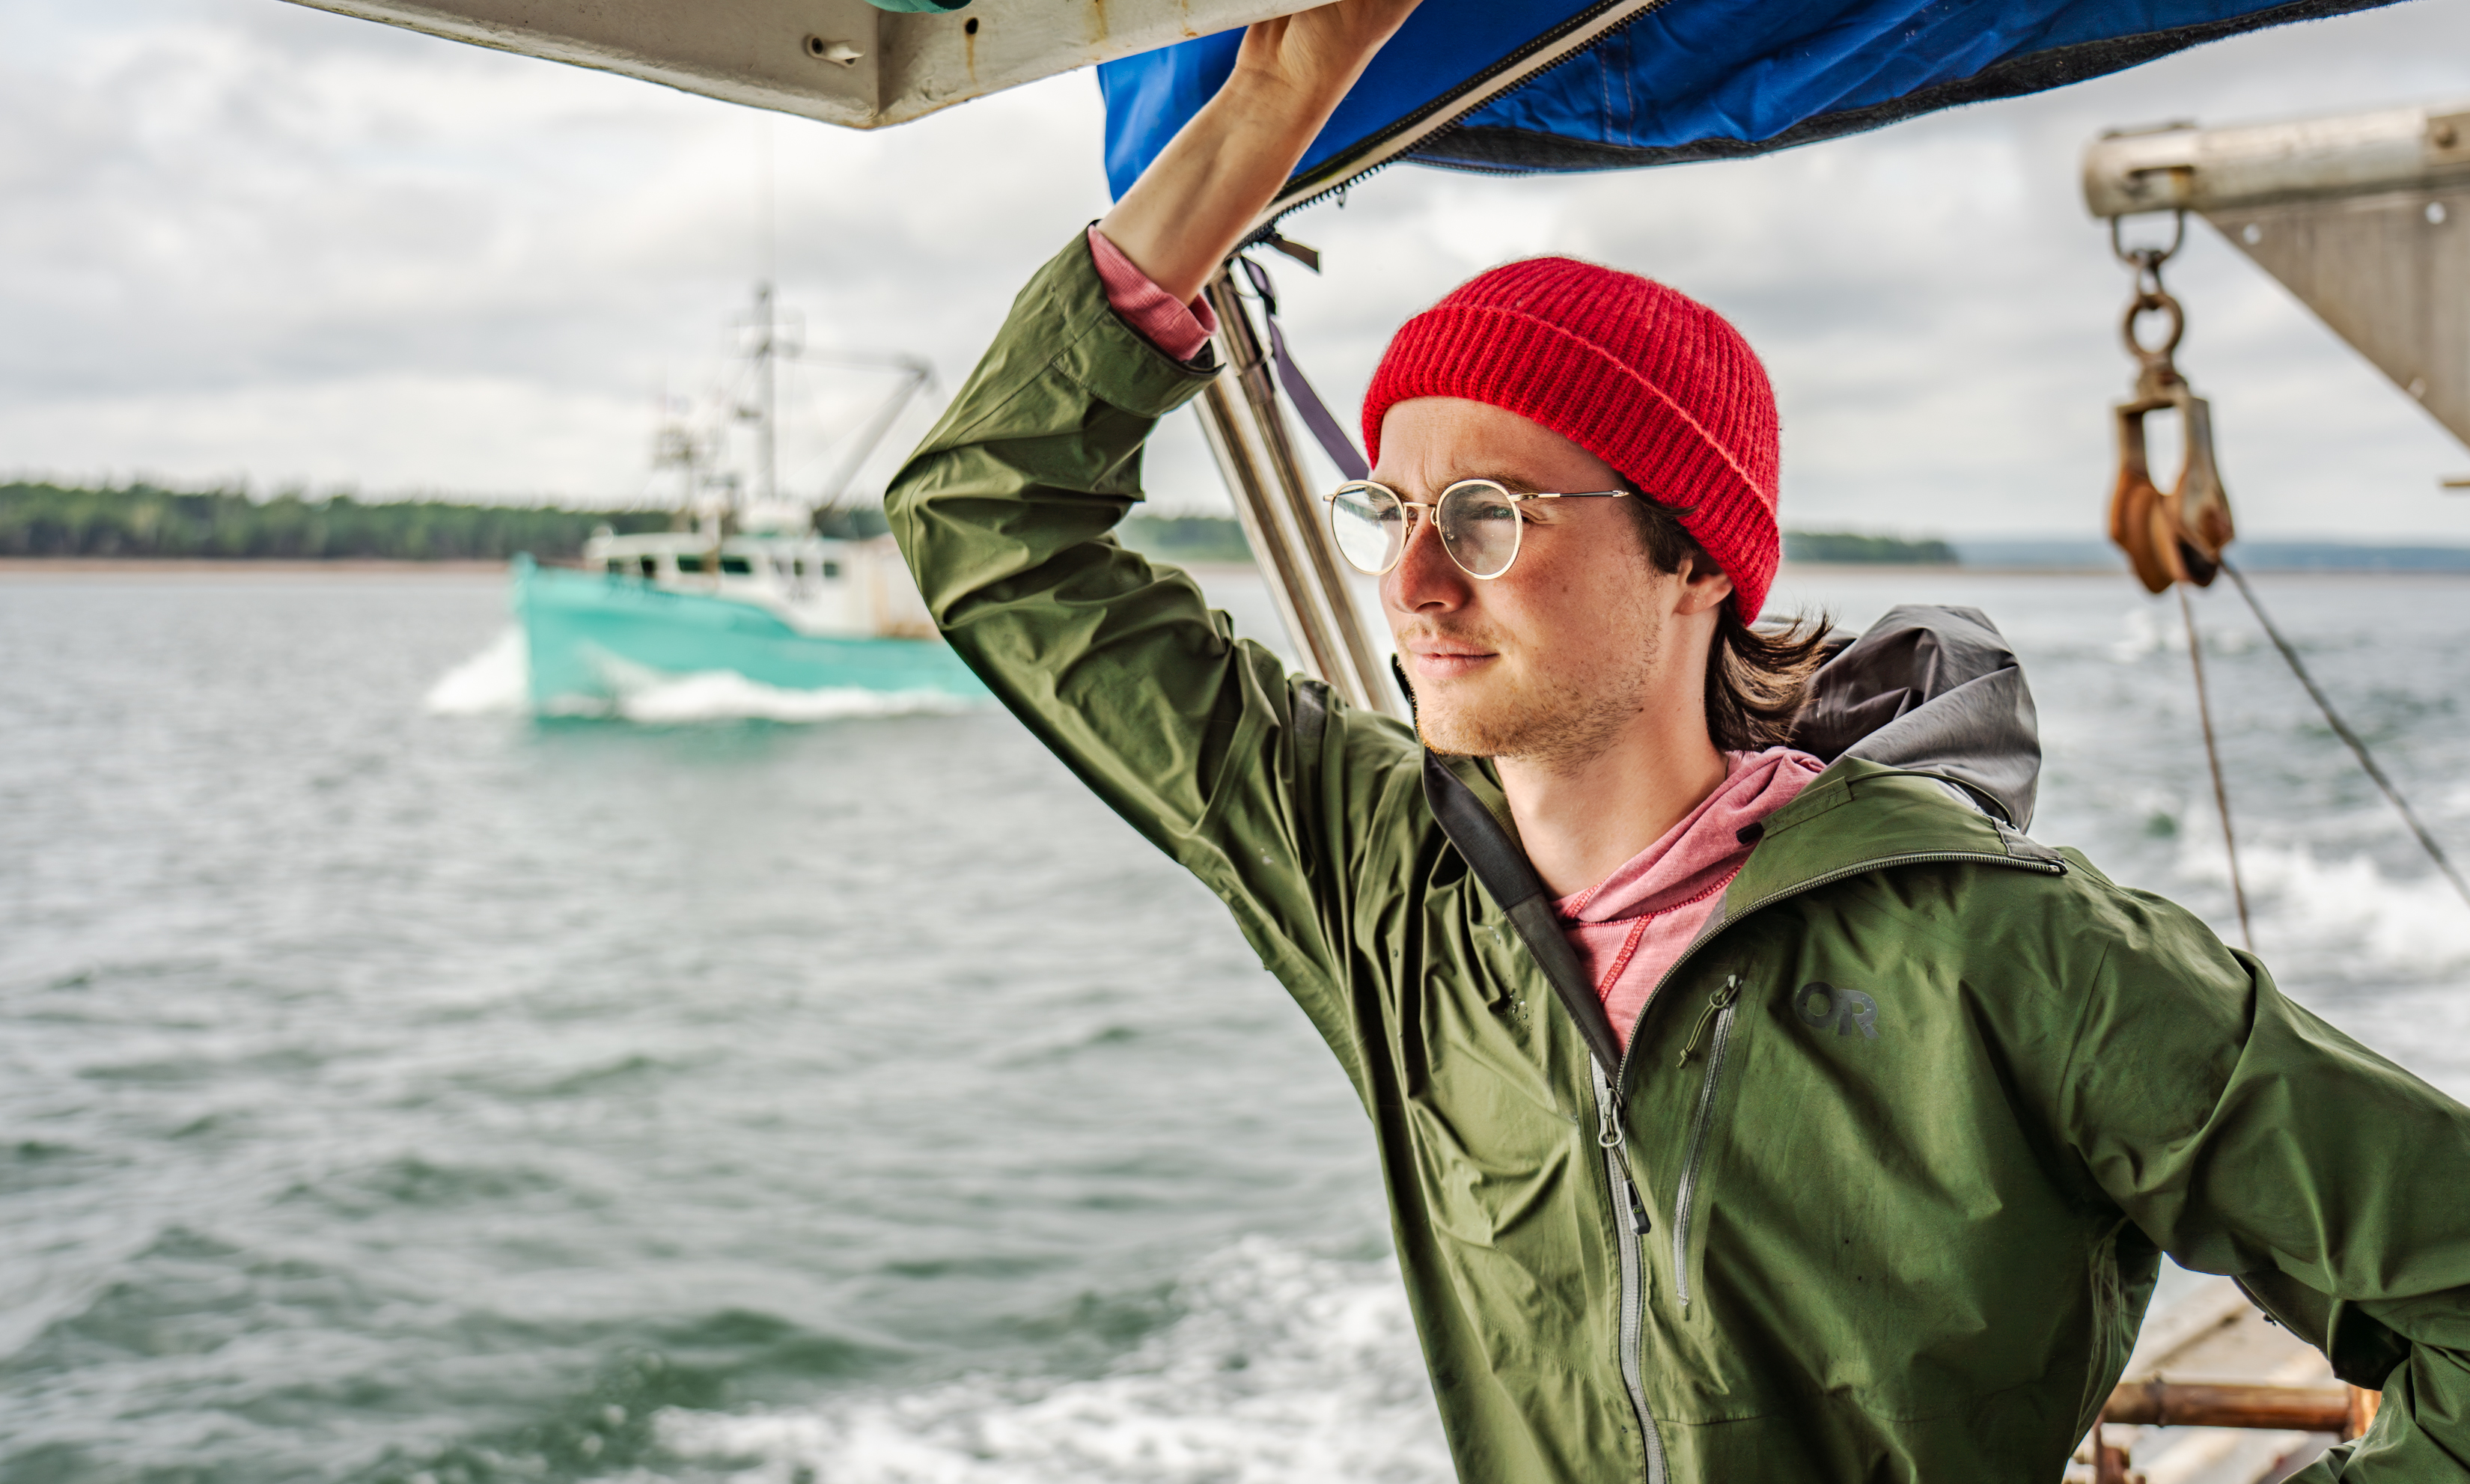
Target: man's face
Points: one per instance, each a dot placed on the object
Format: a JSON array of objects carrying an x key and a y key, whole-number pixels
[{"x": 1553, "y": 659}]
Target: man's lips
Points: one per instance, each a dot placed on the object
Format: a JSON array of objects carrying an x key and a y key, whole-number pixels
[{"x": 1440, "y": 660}]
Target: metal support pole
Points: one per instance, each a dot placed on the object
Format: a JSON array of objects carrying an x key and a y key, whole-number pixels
[{"x": 1282, "y": 516}]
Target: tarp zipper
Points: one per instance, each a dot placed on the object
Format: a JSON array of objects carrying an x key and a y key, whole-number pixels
[{"x": 1520, "y": 67}]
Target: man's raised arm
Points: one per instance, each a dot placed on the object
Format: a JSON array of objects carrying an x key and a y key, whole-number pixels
[{"x": 1004, "y": 514}]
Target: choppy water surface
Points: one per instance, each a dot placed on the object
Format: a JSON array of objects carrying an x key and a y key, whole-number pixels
[{"x": 394, "y": 1089}]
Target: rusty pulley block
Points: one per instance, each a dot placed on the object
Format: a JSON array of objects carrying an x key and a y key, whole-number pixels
[{"x": 2175, "y": 535}]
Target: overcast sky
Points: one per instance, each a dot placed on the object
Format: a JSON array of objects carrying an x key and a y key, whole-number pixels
[{"x": 245, "y": 240}]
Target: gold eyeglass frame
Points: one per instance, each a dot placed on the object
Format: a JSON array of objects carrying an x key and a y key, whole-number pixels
[{"x": 1433, "y": 510}]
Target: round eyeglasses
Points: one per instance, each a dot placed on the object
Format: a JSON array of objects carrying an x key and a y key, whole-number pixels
[{"x": 1477, "y": 520}]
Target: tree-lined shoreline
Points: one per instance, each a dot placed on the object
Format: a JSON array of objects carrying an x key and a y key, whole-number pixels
[
  {"x": 144, "y": 520},
  {"x": 139, "y": 522}
]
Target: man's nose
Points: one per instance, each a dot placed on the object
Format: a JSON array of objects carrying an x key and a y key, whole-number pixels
[{"x": 1425, "y": 580}]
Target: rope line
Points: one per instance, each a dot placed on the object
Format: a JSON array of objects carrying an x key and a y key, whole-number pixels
[
  {"x": 2341, "y": 729},
  {"x": 2213, "y": 759}
]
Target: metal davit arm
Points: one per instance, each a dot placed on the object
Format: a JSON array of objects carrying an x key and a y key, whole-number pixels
[{"x": 2364, "y": 217}]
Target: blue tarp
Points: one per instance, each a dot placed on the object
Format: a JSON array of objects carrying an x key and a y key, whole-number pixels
[{"x": 1690, "y": 80}]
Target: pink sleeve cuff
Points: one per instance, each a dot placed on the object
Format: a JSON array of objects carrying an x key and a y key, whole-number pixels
[{"x": 1179, "y": 329}]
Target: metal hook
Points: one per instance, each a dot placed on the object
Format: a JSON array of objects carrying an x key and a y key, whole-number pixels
[
  {"x": 2149, "y": 260},
  {"x": 2176, "y": 535},
  {"x": 2155, "y": 369}
]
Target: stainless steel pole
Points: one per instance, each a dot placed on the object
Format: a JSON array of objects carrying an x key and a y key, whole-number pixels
[{"x": 1246, "y": 428}]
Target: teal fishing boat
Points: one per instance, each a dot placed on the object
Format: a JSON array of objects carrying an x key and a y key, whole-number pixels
[
  {"x": 745, "y": 594},
  {"x": 792, "y": 613}
]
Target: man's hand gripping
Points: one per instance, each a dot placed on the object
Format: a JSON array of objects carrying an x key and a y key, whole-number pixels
[{"x": 1207, "y": 188}]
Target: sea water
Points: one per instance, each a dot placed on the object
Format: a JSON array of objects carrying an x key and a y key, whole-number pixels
[{"x": 771, "y": 1088}]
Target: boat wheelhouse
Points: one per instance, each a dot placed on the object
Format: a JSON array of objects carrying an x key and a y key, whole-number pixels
[{"x": 814, "y": 584}]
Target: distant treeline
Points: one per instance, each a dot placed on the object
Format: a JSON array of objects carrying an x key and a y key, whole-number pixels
[
  {"x": 142, "y": 521},
  {"x": 1846, "y": 547},
  {"x": 1185, "y": 538},
  {"x": 1220, "y": 539}
]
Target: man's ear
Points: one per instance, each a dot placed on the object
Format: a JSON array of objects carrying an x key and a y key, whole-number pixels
[{"x": 1703, "y": 584}]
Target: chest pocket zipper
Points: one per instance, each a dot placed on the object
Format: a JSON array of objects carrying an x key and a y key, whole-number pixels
[{"x": 1719, "y": 1015}]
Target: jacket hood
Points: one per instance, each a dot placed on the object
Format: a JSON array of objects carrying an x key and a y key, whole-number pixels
[{"x": 1932, "y": 690}]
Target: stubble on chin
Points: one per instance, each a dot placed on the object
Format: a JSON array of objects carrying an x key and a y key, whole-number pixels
[
  {"x": 1553, "y": 722},
  {"x": 1551, "y": 718},
  {"x": 1548, "y": 720}
]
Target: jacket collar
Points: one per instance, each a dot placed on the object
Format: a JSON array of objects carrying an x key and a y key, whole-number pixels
[
  {"x": 1930, "y": 735},
  {"x": 1862, "y": 816}
]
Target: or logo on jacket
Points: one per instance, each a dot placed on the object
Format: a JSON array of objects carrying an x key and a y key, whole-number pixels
[{"x": 1823, "y": 1004}]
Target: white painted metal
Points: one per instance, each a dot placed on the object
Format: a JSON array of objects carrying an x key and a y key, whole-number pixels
[
  {"x": 842, "y": 62},
  {"x": 2364, "y": 217},
  {"x": 2181, "y": 166},
  {"x": 2389, "y": 272}
]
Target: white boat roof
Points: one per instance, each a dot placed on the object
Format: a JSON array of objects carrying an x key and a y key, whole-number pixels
[{"x": 843, "y": 61}]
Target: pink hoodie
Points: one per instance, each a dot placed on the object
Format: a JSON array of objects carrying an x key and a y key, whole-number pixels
[{"x": 1631, "y": 926}]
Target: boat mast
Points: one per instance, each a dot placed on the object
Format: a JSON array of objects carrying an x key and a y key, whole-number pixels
[
  {"x": 768, "y": 346},
  {"x": 767, "y": 443}
]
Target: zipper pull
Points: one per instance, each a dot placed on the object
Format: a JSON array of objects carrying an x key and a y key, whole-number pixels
[
  {"x": 1721, "y": 998},
  {"x": 1610, "y": 1138},
  {"x": 1608, "y": 1128},
  {"x": 1638, "y": 1221}
]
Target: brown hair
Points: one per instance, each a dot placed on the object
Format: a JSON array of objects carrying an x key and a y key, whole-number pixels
[{"x": 1756, "y": 678}]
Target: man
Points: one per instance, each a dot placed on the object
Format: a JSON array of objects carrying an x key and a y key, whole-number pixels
[{"x": 1747, "y": 1112}]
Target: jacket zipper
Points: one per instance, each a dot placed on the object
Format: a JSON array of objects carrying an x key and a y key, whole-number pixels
[
  {"x": 1629, "y": 1224},
  {"x": 1522, "y": 66},
  {"x": 1719, "y": 1006},
  {"x": 1611, "y": 1135},
  {"x": 1717, "y": 1002}
]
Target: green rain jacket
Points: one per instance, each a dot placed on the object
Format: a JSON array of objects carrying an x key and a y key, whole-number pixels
[{"x": 1897, "y": 1146}]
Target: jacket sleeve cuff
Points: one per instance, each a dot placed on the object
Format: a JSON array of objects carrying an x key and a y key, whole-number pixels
[
  {"x": 1181, "y": 330},
  {"x": 1065, "y": 318}
]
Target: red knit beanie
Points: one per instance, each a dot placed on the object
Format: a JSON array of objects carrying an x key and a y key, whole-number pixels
[{"x": 1651, "y": 381}]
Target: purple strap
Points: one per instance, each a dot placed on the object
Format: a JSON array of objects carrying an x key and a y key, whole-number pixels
[{"x": 1334, "y": 441}]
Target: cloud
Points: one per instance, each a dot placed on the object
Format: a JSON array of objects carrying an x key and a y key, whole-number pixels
[{"x": 245, "y": 237}]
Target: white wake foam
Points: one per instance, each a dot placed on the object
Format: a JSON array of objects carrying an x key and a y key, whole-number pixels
[
  {"x": 725, "y": 695},
  {"x": 1284, "y": 1368},
  {"x": 2344, "y": 905},
  {"x": 2153, "y": 629},
  {"x": 497, "y": 680}
]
